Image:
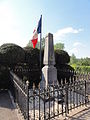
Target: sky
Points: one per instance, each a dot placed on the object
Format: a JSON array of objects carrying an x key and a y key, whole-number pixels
[{"x": 67, "y": 20}]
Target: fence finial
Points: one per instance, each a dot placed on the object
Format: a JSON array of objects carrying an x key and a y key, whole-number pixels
[
  {"x": 33, "y": 86},
  {"x": 27, "y": 83}
]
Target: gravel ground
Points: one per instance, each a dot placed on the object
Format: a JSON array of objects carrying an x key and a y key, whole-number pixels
[
  {"x": 82, "y": 113},
  {"x": 8, "y": 112}
]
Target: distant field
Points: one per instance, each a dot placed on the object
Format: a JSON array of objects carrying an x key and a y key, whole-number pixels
[{"x": 81, "y": 68}]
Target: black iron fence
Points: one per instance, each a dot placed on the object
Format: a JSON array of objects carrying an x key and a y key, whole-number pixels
[
  {"x": 20, "y": 92},
  {"x": 55, "y": 100}
]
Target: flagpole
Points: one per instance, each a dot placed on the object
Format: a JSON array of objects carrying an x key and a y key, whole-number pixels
[
  {"x": 41, "y": 45},
  {"x": 40, "y": 57}
]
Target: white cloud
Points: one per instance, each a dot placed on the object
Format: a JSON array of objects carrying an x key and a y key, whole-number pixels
[
  {"x": 78, "y": 44},
  {"x": 65, "y": 31}
]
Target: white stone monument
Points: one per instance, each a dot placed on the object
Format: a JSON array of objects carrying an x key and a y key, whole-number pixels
[{"x": 49, "y": 72}]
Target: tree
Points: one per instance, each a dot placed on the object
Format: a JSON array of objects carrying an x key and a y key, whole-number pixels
[
  {"x": 85, "y": 61},
  {"x": 59, "y": 46},
  {"x": 73, "y": 59},
  {"x": 29, "y": 44},
  {"x": 43, "y": 43}
]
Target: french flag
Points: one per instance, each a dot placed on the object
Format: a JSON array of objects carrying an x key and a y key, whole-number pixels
[
  {"x": 39, "y": 26},
  {"x": 35, "y": 33},
  {"x": 34, "y": 38}
]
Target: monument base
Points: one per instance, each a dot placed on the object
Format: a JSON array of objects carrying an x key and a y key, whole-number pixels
[{"x": 49, "y": 75}]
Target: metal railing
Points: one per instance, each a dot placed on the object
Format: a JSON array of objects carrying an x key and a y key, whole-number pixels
[
  {"x": 20, "y": 92},
  {"x": 56, "y": 99},
  {"x": 50, "y": 102}
]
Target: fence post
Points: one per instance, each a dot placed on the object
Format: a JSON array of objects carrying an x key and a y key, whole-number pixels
[
  {"x": 39, "y": 102},
  {"x": 66, "y": 98},
  {"x": 85, "y": 93},
  {"x": 27, "y": 83}
]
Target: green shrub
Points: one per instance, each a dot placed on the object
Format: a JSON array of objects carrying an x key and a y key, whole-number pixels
[
  {"x": 4, "y": 77},
  {"x": 11, "y": 54},
  {"x": 61, "y": 57},
  {"x": 64, "y": 71},
  {"x": 32, "y": 57},
  {"x": 82, "y": 68}
]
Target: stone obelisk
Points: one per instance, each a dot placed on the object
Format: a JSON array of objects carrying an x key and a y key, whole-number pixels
[{"x": 49, "y": 72}]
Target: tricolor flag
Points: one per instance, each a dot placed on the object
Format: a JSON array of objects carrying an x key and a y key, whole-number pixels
[
  {"x": 39, "y": 26},
  {"x": 34, "y": 38},
  {"x": 35, "y": 33}
]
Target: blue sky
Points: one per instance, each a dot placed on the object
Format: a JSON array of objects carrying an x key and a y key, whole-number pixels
[{"x": 68, "y": 20}]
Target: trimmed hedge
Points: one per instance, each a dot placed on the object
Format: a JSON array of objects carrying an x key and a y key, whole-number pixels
[
  {"x": 64, "y": 71},
  {"x": 32, "y": 57},
  {"x": 4, "y": 77},
  {"x": 11, "y": 54},
  {"x": 24, "y": 72},
  {"x": 61, "y": 57}
]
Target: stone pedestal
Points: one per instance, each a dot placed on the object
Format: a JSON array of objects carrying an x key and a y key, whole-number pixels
[
  {"x": 49, "y": 75},
  {"x": 49, "y": 72}
]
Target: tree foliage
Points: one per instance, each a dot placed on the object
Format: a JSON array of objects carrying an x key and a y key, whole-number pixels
[
  {"x": 29, "y": 44},
  {"x": 80, "y": 62},
  {"x": 84, "y": 61},
  {"x": 73, "y": 59},
  {"x": 59, "y": 46}
]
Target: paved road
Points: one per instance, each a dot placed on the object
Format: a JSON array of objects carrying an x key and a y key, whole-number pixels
[{"x": 7, "y": 111}]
